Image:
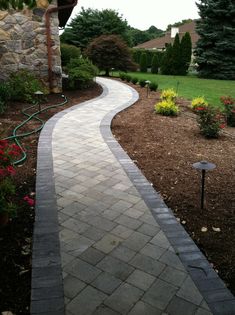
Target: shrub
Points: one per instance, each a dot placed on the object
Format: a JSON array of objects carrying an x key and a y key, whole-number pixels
[
  {"x": 81, "y": 72},
  {"x": 7, "y": 188},
  {"x": 23, "y": 84},
  {"x": 229, "y": 109},
  {"x": 122, "y": 76},
  {"x": 167, "y": 108},
  {"x": 69, "y": 52},
  {"x": 198, "y": 102},
  {"x": 5, "y": 95},
  {"x": 142, "y": 82},
  {"x": 143, "y": 62},
  {"x": 210, "y": 121},
  {"x": 134, "y": 80},
  {"x": 155, "y": 64},
  {"x": 128, "y": 78},
  {"x": 168, "y": 94},
  {"x": 153, "y": 86}
]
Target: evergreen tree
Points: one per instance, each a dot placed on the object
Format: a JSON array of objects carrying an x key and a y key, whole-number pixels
[
  {"x": 186, "y": 53},
  {"x": 215, "y": 51},
  {"x": 143, "y": 62},
  {"x": 176, "y": 56},
  {"x": 166, "y": 64},
  {"x": 155, "y": 64}
]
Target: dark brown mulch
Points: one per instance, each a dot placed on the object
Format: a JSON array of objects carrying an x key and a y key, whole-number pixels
[
  {"x": 165, "y": 148},
  {"x": 16, "y": 237}
]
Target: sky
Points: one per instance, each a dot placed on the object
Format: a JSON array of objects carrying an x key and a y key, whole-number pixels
[{"x": 142, "y": 14}]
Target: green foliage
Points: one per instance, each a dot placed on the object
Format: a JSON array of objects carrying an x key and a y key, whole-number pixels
[
  {"x": 18, "y": 4},
  {"x": 7, "y": 189},
  {"x": 142, "y": 82},
  {"x": 69, "y": 52},
  {"x": 5, "y": 95},
  {"x": 122, "y": 76},
  {"x": 128, "y": 78},
  {"x": 23, "y": 84},
  {"x": 185, "y": 53},
  {"x": 110, "y": 51},
  {"x": 138, "y": 37},
  {"x": 134, "y": 80},
  {"x": 229, "y": 109},
  {"x": 176, "y": 59},
  {"x": 91, "y": 23},
  {"x": 215, "y": 50},
  {"x": 155, "y": 64},
  {"x": 167, "y": 108},
  {"x": 81, "y": 73},
  {"x": 153, "y": 86},
  {"x": 210, "y": 121},
  {"x": 143, "y": 62},
  {"x": 166, "y": 65}
]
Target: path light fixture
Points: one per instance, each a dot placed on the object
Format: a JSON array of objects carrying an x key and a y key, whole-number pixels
[
  {"x": 203, "y": 166},
  {"x": 147, "y": 86},
  {"x": 112, "y": 69},
  {"x": 39, "y": 98}
]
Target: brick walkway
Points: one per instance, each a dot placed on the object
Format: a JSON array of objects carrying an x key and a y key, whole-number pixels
[{"x": 122, "y": 250}]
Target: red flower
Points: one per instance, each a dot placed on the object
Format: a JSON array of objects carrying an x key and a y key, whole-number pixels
[
  {"x": 200, "y": 108},
  {"x": 30, "y": 201},
  {"x": 11, "y": 170},
  {"x": 222, "y": 126}
]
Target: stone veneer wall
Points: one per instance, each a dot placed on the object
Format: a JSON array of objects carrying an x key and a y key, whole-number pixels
[{"x": 23, "y": 43}]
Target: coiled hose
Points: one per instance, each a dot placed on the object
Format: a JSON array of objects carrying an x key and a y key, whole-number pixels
[{"x": 15, "y": 136}]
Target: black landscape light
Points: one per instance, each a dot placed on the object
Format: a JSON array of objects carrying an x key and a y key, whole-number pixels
[
  {"x": 39, "y": 98},
  {"x": 203, "y": 166}
]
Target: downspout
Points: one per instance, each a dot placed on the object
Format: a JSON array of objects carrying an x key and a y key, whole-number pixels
[{"x": 48, "y": 35}]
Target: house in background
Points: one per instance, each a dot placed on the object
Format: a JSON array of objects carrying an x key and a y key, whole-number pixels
[
  {"x": 29, "y": 39},
  {"x": 160, "y": 42}
]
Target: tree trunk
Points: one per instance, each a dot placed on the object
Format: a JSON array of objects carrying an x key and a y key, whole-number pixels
[{"x": 107, "y": 72}]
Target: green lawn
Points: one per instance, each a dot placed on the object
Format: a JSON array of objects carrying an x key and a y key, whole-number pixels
[{"x": 191, "y": 86}]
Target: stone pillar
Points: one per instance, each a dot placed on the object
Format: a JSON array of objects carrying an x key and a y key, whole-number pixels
[{"x": 23, "y": 43}]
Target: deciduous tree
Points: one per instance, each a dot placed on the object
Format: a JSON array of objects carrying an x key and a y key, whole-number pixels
[{"x": 110, "y": 51}]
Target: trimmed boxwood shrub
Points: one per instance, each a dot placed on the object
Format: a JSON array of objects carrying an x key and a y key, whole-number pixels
[
  {"x": 142, "y": 82},
  {"x": 153, "y": 86},
  {"x": 134, "y": 80}
]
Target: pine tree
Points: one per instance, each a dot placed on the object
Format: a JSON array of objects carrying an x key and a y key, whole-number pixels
[
  {"x": 215, "y": 51},
  {"x": 155, "y": 64},
  {"x": 143, "y": 62},
  {"x": 186, "y": 53}
]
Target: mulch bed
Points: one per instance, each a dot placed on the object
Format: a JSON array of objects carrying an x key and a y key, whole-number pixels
[
  {"x": 165, "y": 148},
  {"x": 16, "y": 237}
]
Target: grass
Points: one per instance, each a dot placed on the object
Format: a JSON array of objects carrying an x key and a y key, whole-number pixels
[{"x": 190, "y": 87}]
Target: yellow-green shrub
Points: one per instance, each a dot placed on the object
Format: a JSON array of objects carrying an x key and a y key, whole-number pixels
[
  {"x": 198, "y": 102},
  {"x": 168, "y": 94},
  {"x": 167, "y": 108}
]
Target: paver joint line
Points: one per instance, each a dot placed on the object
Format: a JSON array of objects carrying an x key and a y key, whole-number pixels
[{"x": 118, "y": 239}]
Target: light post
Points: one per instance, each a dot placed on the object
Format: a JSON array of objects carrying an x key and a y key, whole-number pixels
[
  {"x": 203, "y": 166},
  {"x": 39, "y": 97},
  {"x": 147, "y": 85}
]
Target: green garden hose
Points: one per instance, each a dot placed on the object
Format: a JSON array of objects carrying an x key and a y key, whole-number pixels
[{"x": 15, "y": 136}]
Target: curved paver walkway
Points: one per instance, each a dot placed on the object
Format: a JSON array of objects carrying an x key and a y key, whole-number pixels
[{"x": 116, "y": 258}]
